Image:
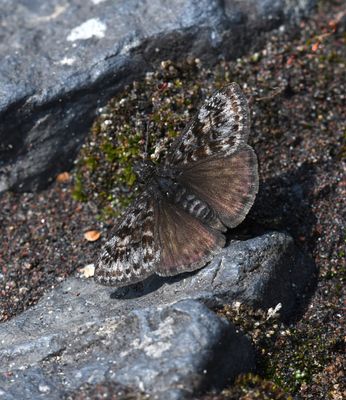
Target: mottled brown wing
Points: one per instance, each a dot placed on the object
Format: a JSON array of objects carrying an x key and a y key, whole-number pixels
[
  {"x": 186, "y": 244},
  {"x": 133, "y": 253},
  {"x": 218, "y": 174},
  {"x": 229, "y": 184},
  {"x": 220, "y": 126}
]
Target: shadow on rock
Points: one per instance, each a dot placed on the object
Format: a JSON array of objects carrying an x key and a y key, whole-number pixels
[
  {"x": 284, "y": 203},
  {"x": 149, "y": 285}
]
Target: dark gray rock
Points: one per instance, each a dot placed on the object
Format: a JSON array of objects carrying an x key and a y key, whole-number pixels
[
  {"x": 262, "y": 272},
  {"x": 85, "y": 331},
  {"x": 169, "y": 352},
  {"x": 60, "y": 60}
]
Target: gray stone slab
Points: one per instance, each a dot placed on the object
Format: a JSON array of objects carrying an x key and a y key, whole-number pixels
[
  {"x": 140, "y": 337},
  {"x": 61, "y": 60},
  {"x": 262, "y": 272},
  {"x": 168, "y": 352}
]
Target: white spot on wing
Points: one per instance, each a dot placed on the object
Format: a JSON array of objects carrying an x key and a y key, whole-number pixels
[
  {"x": 203, "y": 114},
  {"x": 90, "y": 28}
]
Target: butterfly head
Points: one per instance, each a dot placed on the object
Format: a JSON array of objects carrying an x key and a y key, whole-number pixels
[{"x": 143, "y": 170}]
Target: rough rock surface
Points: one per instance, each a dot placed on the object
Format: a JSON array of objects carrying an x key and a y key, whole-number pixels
[
  {"x": 60, "y": 60},
  {"x": 139, "y": 336},
  {"x": 168, "y": 352}
]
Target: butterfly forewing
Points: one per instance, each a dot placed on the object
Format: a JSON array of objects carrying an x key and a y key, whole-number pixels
[{"x": 220, "y": 125}]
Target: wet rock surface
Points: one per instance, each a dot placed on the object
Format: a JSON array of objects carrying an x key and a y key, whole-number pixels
[
  {"x": 154, "y": 337},
  {"x": 61, "y": 60}
]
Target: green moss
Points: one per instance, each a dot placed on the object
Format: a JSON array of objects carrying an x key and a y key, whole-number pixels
[
  {"x": 251, "y": 386},
  {"x": 303, "y": 356},
  {"x": 111, "y": 152},
  {"x": 91, "y": 163},
  {"x": 341, "y": 254},
  {"x": 288, "y": 357},
  {"x": 78, "y": 192}
]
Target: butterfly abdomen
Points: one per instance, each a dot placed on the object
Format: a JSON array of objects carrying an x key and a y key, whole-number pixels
[{"x": 176, "y": 193}]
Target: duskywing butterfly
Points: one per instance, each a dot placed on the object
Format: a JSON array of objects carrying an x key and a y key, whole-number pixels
[{"x": 206, "y": 183}]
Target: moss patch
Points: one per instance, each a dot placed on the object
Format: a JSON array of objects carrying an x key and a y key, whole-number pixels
[
  {"x": 251, "y": 387},
  {"x": 288, "y": 356}
]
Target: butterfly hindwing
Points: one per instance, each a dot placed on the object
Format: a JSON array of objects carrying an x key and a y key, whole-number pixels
[
  {"x": 186, "y": 243},
  {"x": 228, "y": 184},
  {"x": 132, "y": 253}
]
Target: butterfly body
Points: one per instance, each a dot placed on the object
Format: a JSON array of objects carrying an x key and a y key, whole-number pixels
[{"x": 206, "y": 184}]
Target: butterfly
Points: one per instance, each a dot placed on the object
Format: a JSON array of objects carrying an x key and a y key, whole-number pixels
[{"x": 206, "y": 183}]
